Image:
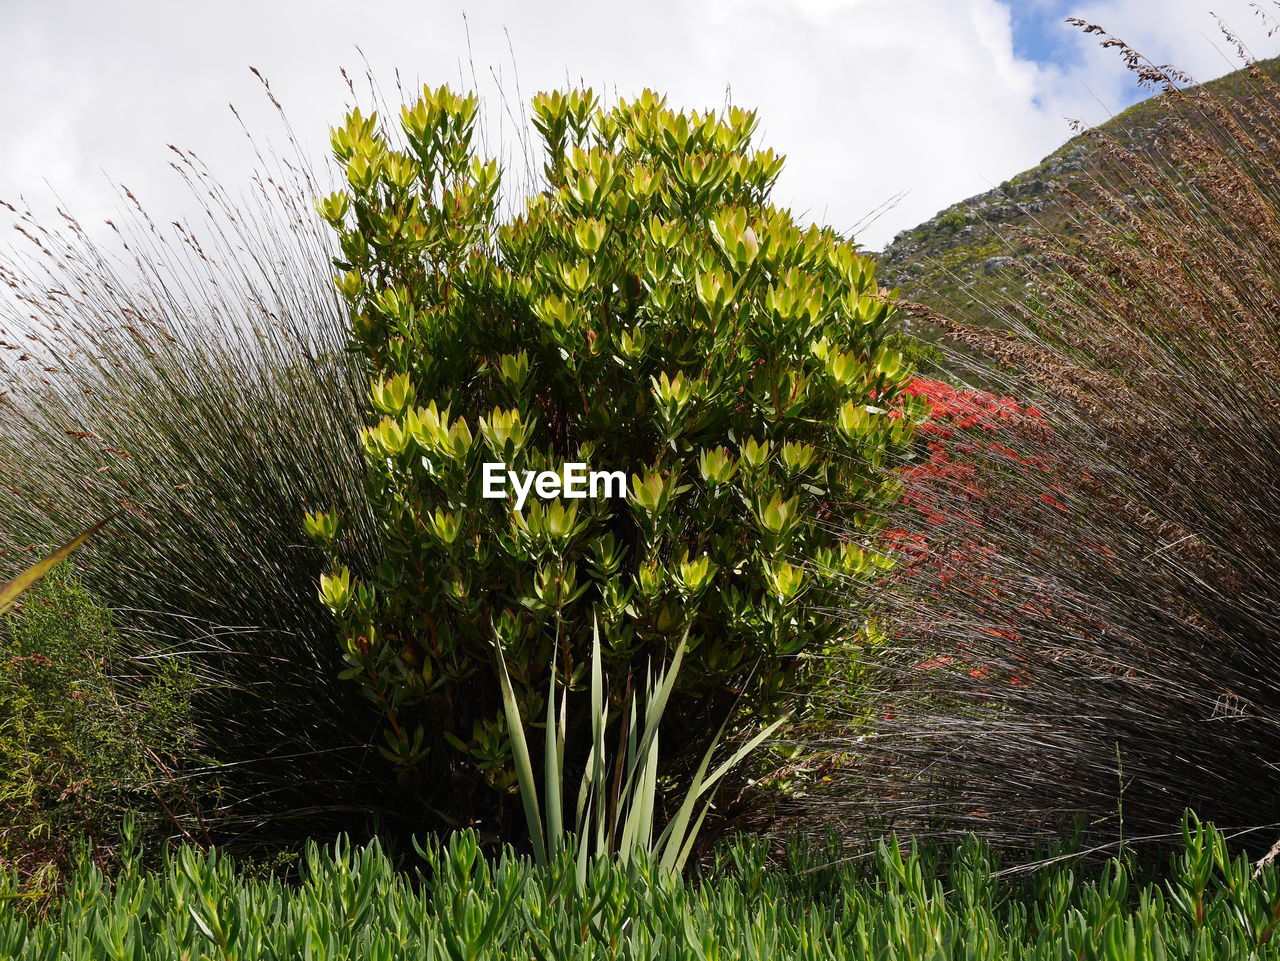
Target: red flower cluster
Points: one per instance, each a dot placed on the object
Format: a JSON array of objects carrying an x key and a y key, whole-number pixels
[
  {"x": 945, "y": 490},
  {"x": 959, "y": 408},
  {"x": 956, "y": 437}
]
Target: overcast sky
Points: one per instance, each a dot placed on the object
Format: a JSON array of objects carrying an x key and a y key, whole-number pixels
[{"x": 934, "y": 99}]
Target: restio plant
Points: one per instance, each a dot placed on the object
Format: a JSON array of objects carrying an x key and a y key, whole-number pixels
[
  {"x": 193, "y": 377},
  {"x": 1091, "y": 633},
  {"x": 648, "y": 311}
]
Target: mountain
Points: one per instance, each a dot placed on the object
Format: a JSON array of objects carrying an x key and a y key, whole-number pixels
[{"x": 964, "y": 257}]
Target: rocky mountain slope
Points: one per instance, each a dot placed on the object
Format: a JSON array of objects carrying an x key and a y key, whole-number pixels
[{"x": 966, "y": 256}]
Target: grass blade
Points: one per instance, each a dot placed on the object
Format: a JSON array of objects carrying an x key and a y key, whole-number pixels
[{"x": 11, "y": 590}]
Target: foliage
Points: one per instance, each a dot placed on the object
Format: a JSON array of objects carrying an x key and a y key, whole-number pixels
[
  {"x": 85, "y": 736},
  {"x": 896, "y": 905},
  {"x": 952, "y": 220},
  {"x": 1123, "y": 569},
  {"x": 617, "y": 799},
  {"x": 946, "y": 262},
  {"x": 649, "y": 312},
  {"x": 193, "y": 377},
  {"x": 11, "y": 590}
]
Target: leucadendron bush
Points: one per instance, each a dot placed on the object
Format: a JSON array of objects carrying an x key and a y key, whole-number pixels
[{"x": 648, "y": 311}]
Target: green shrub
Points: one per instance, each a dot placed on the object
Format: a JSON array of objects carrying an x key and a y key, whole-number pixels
[
  {"x": 952, "y": 220},
  {"x": 86, "y": 733},
  {"x": 648, "y": 312},
  {"x": 894, "y": 904}
]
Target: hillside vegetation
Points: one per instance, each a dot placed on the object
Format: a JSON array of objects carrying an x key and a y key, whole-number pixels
[{"x": 969, "y": 256}]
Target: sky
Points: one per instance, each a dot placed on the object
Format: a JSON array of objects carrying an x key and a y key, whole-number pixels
[{"x": 922, "y": 101}]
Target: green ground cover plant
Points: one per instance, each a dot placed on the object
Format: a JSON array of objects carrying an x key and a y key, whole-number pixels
[{"x": 897, "y": 904}]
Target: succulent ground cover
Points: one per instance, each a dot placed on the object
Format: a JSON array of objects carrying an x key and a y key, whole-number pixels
[{"x": 898, "y": 903}]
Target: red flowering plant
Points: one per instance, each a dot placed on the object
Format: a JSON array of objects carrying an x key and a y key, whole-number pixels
[
  {"x": 964, "y": 440},
  {"x": 969, "y": 443}
]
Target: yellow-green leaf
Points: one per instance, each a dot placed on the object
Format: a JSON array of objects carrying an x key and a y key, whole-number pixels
[{"x": 11, "y": 590}]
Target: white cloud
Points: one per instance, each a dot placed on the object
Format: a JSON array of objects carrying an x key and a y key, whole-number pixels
[
  {"x": 1186, "y": 33},
  {"x": 868, "y": 98}
]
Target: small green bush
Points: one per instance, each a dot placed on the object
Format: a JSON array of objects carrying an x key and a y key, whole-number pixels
[
  {"x": 649, "y": 312},
  {"x": 86, "y": 734},
  {"x": 892, "y": 905},
  {"x": 952, "y": 220}
]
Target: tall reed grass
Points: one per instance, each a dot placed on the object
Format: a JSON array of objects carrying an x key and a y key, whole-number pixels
[
  {"x": 193, "y": 377},
  {"x": 1092, "y": 634}
]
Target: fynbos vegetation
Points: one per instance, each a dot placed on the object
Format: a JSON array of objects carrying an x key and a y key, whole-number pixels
[
  {"x": 649, "y": 312},
  {"x": 1094, "y": 637},
  {"x": 629, "y": 514}
]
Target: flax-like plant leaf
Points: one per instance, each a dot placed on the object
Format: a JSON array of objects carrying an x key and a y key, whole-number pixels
[
  {"x": 553, "y": 765},
  {"x": 655, "y": 705},
  {"x": 631, "y": 833},
  {"x": 592, "y": 793},
  {"x": 524, "y": 764},
  {"x": 10, "y": 591},
  {"x": 675, "y": 843}
]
